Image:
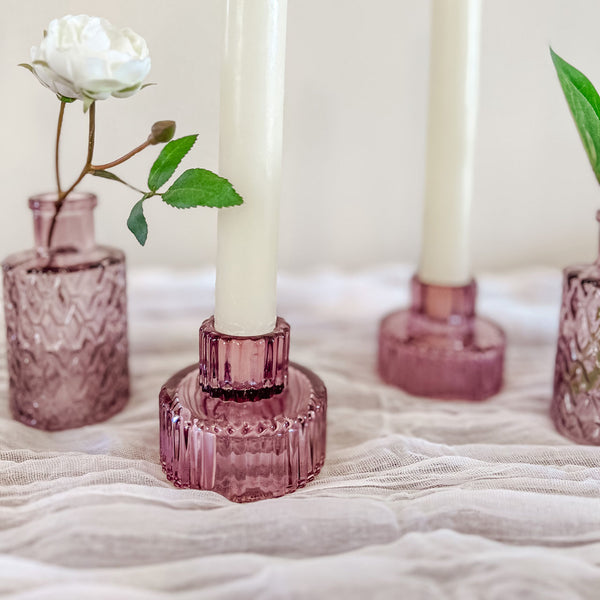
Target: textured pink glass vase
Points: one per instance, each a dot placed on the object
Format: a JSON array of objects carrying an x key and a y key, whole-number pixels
[
  {"x": 66, "y": 321},
  {"x": 244, "y": 422},
  {"x": 576, "y": 398},
  {"x": 439, "y": 348}
]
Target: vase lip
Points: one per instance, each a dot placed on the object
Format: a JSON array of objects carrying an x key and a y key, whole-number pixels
[{"x": 74, "y": 201}]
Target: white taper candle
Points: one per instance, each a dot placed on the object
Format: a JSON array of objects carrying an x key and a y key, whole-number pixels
[
  {"x": 252, "y": 91},
  {"x": 453, "y": 95}
]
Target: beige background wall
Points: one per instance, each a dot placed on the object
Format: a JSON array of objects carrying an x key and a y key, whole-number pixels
[{"x": 356, "y": 95}]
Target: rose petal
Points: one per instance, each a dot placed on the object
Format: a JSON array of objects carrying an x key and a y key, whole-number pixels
[{"x": 87, "y": 56}]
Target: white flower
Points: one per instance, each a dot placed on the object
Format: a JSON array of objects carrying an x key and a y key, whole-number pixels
[{"x": 87, "y": 58}]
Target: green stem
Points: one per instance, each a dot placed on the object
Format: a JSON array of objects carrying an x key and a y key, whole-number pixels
[
  {"x": 123, "y": 158},
  {"x": 86, "y": 169},
  {"x": 61, "y": 114}
]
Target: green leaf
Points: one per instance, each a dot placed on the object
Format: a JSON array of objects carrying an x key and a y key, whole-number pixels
[
  {"x": 168, "y": 160},
  {"x": 113, "y": 177},
  {"x": 107, "y": 175},
  {"x": 65, "y": 99},
  {"x": 584, "y": 102},
  {"x": 199, "y": 187},
  {"x": 137, "y": 223}
]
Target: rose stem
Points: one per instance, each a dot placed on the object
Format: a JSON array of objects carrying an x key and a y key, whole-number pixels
[
  {"x": 123, "y": 158},
  {"x": 86, "y": 169},
  {"x": 61, "y": 114}
]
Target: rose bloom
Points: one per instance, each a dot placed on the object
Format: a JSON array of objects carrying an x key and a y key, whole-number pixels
[{"x": 87, "y": 58}]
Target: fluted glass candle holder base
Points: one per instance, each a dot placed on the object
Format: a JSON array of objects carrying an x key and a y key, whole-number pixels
[
  {"x": 439, "y": 348},
  {"x": 246, "y": 424}
]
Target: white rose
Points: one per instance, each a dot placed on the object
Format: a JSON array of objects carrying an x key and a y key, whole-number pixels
[{"x": 89, "y": 59}]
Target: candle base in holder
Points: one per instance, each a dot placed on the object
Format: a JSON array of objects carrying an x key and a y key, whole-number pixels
[
  {"x": 439, "y": 348},
  {"x": 249, "y": 425}
]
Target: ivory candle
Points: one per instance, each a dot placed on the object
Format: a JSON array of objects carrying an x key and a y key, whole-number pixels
[
  {"x": 453, "y": 92},
  {"x": 252, "y": 88}
]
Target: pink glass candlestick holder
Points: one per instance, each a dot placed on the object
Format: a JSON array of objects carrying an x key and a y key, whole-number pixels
[
  {"x": 244, "y": 422},
  {"x": 439, "y": 348}
]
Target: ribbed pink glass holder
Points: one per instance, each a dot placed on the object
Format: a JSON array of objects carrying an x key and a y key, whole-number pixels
[
  {"x": 439, "y": 348},
  {"x": 245, "y": 422}
]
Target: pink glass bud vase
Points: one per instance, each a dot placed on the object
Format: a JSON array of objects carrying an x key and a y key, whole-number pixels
[
  {"x": 576, "y": 398},
  {"x": 66, "y": 321}
]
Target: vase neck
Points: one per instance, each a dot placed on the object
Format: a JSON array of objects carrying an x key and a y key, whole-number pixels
[{"x": 74, "y": 229}]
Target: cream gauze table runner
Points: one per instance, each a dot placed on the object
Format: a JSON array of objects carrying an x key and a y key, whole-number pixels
[{"x": 418, "y": 498}]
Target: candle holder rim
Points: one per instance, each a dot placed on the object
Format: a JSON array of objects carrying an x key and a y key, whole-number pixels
[
  {"x": 442, "y": 302},
  {"x": 281, "y": 325},
  {"x": 472, "y": 282},
  {"x": 177, "y": 405}
]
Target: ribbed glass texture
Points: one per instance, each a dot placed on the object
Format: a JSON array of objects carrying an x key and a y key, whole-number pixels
[
  {"x": 439, "y": 348},
  {"x": 251, "y": 447},
  {"x": 243, "y": 450},
  {"x": 66, "y": 322},
  {"x": 243, "y": 368}
]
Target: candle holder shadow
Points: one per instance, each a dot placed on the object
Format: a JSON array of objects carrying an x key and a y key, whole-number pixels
[
  {"x": 439, "y": 348},
  {"x": 245, "y": 422}
]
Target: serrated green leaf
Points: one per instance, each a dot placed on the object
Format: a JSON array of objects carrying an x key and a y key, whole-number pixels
[
  {"x": 199, "y": 187},
  {"x": 137, "y": 223},
  {"x": 168, "y": 160},
  {"x": 584, "y": 102}
]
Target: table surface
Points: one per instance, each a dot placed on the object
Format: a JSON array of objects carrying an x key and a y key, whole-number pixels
[{"x": 417, "y": 499}]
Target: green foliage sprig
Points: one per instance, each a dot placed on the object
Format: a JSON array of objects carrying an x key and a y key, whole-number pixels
[
  {"x": 584, "y": 102},
  {"x": 73, "y": 51},
  {"x": 194, "y": 187}
]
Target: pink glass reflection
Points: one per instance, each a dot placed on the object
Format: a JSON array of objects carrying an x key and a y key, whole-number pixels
[
  {"x": 576, "y": 398},
  {"x": 439, "y": 348},
  {"x": 245, "y": 446},
  {"x": 66, "y": 321},
  {"x": 244, "y": 368}
]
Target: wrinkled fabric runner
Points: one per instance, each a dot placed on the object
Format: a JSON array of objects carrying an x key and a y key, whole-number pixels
[{"x": 417, "y": 499}]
